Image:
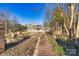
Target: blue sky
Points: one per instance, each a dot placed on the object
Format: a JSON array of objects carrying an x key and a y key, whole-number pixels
[{"x": 27, "y": 13}]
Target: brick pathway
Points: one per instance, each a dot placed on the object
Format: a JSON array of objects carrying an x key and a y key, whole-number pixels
[{"x": 44, "y": 48}]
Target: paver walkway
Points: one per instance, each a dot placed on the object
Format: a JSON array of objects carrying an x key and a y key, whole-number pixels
[{"x": 44, "y": 47}]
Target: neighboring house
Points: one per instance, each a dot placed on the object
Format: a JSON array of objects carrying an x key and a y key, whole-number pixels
[{"x": 33, "y": 27}]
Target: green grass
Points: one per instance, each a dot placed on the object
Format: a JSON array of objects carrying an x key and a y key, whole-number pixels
[{"x": 56, "y": 49}]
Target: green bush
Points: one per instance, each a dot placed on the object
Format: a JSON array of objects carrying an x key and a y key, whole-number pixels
[{"x": 62, "y": 37}]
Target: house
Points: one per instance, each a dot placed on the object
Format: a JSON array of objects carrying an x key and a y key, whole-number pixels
[{"x": 33, "y": 27}]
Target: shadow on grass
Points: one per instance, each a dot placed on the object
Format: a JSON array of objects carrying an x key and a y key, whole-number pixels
[
  {"x": 69, "y": 48},
  {"x": 10, "y": 45}
]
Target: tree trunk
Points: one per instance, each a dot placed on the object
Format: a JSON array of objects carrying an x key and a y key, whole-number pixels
[
  {"x": 65, "y": 26},
  {"x": 77, "y": 33},
  {"x": 66, "y": 29},
  {"x": 72, "y": 6},
  {"x": 72, "y": 14},
  {"x": 75, "y": 28}
]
